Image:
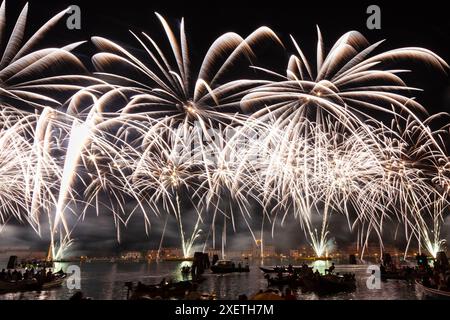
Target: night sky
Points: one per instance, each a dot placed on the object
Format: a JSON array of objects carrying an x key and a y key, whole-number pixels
[{"x": 402, "y": 25}]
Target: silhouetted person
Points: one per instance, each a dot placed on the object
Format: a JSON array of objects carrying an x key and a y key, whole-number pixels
[{"x": 331, "y": 269}]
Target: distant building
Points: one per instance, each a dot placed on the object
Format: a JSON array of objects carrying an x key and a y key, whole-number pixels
[
  {"x": 171, "y": 253},
  {"x": 153, "y": 254},
  {"x": 253, "y": 252},
  {"x": 233, "y": 254},
  {"x": 294, "y": 253},
  {"x": 36, "y": 255},
  {"x": 247, "y": 253},
  {"x": 373, "y": 250},
  {"x": 301, "y": 252},
  {"x": 267, "y": 250},
  {"x": 131, "y": 255}
]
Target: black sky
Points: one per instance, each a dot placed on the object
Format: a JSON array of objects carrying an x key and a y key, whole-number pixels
[{"x": 403, "y": 24}]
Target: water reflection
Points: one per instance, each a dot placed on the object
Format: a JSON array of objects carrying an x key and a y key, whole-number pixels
[{"x": 105, "y": 280}]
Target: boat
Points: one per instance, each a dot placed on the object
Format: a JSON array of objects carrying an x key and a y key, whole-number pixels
[
  {"x": 329, "y": 284},
  {"x": 271, "y": 269},
  {"x": 432, "y": 293},
  {"x": 31, "y": 285},
  {"x": 289, "y": 280},
  {"x": 405, "y": 273},
  {"x": 54, "y": 283},
  {"x": 281, "y": 269},
  {"x": 228, "y": 266},
  {"x": 185, "y": 270},
  {"x": 18, "y": 286},
  {"x": 164, "y": 290}
]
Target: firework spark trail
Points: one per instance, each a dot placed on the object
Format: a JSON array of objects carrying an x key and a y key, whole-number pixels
[
  {"x": 320, "y": 169},
  {"x": 305, "y": 144},
  {"x": 302, "y": 107},
  {"x": 166, "y": 168},
  {"x": 17, "y": 163},
  {"x": 27, "y": 83},
  {"x": 228, "y": 178},
  {"x": 412, "y": 165},
  {"x": 95, "y": 155},
  {"x": 25, "y": 77},
  {"x": 346, "y": 79},
  {"x": 172, "y": 93}
]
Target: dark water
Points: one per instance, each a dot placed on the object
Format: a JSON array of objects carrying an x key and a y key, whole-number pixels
[{"x": 105, "y": 280}]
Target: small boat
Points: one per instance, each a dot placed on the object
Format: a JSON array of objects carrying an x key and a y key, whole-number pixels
[
  {"x": 291, "y": 281},
  {"x": 329, "y": 284},
  {"x": 164, "y": 290},
  {"x": 18, "y": 286},
  {"x": 31, "y": 285},
  {"x": 270, "y": 270},
  {"x": 282, "y": 269},
  {"x": 433, "y": 293},
  {"x": 57, "y": 282},
  {"x": 228, "y": 266}
]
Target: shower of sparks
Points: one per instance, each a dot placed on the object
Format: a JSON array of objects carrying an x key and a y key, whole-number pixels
[{"x": 159, "y": 134}]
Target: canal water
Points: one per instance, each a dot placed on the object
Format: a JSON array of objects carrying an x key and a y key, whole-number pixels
[{"x": 105, "y": 281}]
